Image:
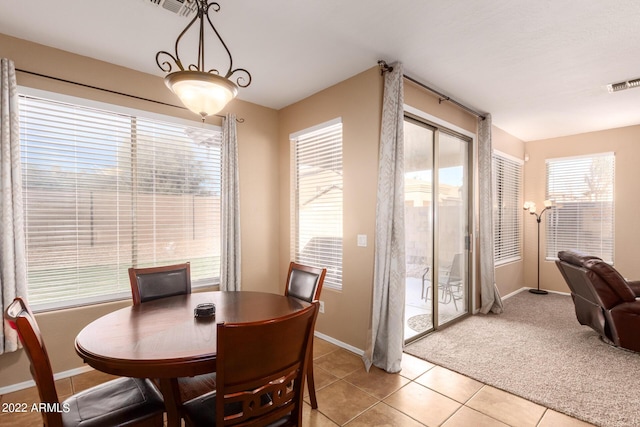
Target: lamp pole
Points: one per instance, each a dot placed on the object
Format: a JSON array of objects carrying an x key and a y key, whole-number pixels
[{"x": 531, "y": 207}]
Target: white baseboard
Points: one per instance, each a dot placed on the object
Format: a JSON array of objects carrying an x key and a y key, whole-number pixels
[
  {"x": 523, "y": 289},
  {"x": 31, "y": 383},
  {"x": 339, "y": 343}
]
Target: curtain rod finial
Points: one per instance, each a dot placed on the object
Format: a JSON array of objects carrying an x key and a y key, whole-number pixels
[{"x": 384, "y": 67}]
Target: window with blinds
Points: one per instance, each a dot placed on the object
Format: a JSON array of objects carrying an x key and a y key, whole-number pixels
[
  {"x": 317, "y": 199},
  {"x": 507, "y": 215},
  {"x": 583, "y": 218},
  {"x": 105, "y": 191}
]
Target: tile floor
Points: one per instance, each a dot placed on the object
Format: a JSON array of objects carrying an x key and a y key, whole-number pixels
[{"x": 421, "y": 395}]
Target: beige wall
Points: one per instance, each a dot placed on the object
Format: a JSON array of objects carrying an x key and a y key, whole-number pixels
[
  {"x": 358, "y": 102},
  {"x": 625, "y": 143},
  {"x": 259, "y": 181},
  {"x": 264, "y": 184}
]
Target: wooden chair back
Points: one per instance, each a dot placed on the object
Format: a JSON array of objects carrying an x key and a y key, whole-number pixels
[
  {"x": 305, "y": 282},
  {"x": 22, "y": 320},
  {"x": 152, "y": 283},
  {"x": 261, "y": 369}
]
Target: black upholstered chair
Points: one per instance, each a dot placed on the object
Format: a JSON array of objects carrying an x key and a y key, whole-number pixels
[
  {"x": 123, "y": 401},
  {"x": 148, "y": 284},
  {"x": 305, "y": 282},
  {"x": 261, "y": 370},
  {"x": 158, "y": 282},
  {"x": 603, "y": 299}
]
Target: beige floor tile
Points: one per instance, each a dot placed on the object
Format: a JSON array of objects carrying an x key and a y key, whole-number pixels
[
  {"x": 342, "y": 401},
  {"x": 423, "y": 404},
  {"x": 376, "y": 382},
  {"x": 449, "y": 383},
  {"x": 383, "y": 415},
  {"x": 347, "y": 394},
  {"x": 466, "y": 417},
  {"x": 314, "y": 418},
  {"x": 17, "y": 408},
  {"x": 506, "y": 407},
  {"x": 339, "y": 363},
  {"x": 24, "y": 400},
  {"x": 21, "y": 419},
  {"x": 413, "y": 367},
  {"x": 552, "y": 418},
  {"x": 322, "y": 347},
  {"x": 322, "y": 379},
  {"x": 89, "y": 379},
  {"x": 64, "y": 387},
  {"x": 26, "y": 395}
]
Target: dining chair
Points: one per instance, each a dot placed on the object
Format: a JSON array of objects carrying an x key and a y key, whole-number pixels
[
  {"x": 123, "y": 401},
  {"x": 150, "y": 283},
  {"x": 305, "y": 282},
  {"x": 261, "y": 370}
]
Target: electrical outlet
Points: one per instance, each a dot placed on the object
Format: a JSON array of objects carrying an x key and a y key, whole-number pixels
[{"x": 321, "y": 306}]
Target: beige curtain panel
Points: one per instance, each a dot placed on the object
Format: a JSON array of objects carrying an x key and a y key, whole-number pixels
[
  {"x": 230, "y": 268},
  {"x": 386, "y": 336},
  {"x": 13, "y": 273},
  {"x": 489, "y": 295}
]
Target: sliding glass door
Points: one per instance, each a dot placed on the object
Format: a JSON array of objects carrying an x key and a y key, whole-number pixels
[{"x": 437, "y": 183}]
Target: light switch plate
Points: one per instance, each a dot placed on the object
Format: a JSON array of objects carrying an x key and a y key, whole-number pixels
[{"x": 362, "y": 240}]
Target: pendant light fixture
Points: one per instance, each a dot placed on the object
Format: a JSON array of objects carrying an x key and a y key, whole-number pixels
[{"x": 203, "y": 90}]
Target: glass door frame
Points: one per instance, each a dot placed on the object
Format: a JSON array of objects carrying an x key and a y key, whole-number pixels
[{"x": 440, "y": 126}]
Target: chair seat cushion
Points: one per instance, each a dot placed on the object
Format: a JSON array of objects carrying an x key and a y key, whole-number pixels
[
  {"x": 119, "y": 402},
  {"x": 192, "y": 387},
  {"x": 201, "y": 411}
]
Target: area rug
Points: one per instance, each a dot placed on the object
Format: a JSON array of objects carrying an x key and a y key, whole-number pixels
[
  {"x": 419, "y": 322},
  {"x": 537, "y": 350}
]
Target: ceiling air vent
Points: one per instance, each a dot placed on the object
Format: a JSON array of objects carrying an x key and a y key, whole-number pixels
[
  {"x": 179, "y": 7},
  {"x": 616, "y": 87}
]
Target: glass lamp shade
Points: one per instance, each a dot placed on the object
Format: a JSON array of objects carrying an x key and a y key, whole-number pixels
[{"x": 203, "y": 93}]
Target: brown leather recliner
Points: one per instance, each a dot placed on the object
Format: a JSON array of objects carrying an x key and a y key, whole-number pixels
[{"x": 603, "y": 299}]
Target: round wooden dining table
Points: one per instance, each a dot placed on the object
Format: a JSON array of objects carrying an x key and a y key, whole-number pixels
[{"x": 163, "y": 339}]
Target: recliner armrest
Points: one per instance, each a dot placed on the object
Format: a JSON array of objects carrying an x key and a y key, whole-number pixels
[{"x": 635, "y": 286}]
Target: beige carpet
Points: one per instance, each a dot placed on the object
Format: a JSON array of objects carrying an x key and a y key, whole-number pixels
[{"x": 537, "y": 349}]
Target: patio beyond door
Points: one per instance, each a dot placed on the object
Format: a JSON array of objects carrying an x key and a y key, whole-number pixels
[{"x": 437, "y": 183}]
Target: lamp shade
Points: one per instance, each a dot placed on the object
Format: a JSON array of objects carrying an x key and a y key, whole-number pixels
[{"x": 203, "y": 93}]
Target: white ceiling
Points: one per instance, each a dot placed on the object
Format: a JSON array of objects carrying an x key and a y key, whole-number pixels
[{"x": 539, "y": 67}]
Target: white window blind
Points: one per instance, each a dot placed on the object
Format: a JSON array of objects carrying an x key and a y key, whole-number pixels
[
  {"x": 317, "y": 200},
  {"x": 105, "y": 191},
  {"x": 583, "y": 219},
  {"x": 507, "y": 215}
]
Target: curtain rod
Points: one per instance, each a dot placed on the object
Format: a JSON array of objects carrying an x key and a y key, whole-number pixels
[
  {"x": 111, "y": 91},
  {"x": 441, "y": 97}
]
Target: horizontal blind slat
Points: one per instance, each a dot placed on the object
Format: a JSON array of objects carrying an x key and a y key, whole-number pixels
[
  {"x": 507, "y": 216},
  {"x": 317, "y": 201},
  {"x": 583, "y": 219},
  {"x": 104, "y": 191}
]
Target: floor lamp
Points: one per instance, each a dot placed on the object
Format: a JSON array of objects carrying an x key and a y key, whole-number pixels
[{"x": 531, "y": 207}]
